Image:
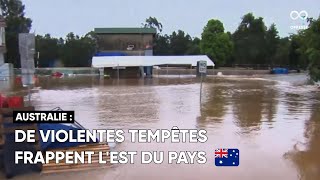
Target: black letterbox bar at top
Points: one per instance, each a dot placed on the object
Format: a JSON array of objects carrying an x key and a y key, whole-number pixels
[{"x": 43, "y": 116}]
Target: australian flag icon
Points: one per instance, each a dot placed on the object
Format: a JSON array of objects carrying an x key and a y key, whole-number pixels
[{"x": 227, "y": 157}]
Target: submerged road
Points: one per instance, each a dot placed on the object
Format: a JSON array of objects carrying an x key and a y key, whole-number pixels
[{"x": 273, "y": 120}]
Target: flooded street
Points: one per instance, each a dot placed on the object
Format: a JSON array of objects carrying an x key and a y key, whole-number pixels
[{"x": 274, "y": 121}]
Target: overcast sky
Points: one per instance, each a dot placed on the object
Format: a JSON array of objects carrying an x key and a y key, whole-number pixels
[{"x": 59, "y": 17}]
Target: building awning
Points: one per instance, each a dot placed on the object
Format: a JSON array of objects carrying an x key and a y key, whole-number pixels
[
  {"x": 125, "y": 30},
  {"x": 127, "y": 61}
]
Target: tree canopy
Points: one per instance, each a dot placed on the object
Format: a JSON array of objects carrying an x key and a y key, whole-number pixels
[
  {"x": 13, "y": 12},
  {"x": 309, "y": 48},
  {"x": 152, "y": 22},
  {"x": 216, "y": 43}
]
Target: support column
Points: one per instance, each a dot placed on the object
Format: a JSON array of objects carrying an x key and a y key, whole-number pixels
[{"x": 1, "y": 59}]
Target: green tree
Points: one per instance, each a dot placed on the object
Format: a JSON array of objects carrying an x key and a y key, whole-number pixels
[
  {"x": 48, "y": 49},
  {"x": 194, "y": 49},
  {"x": 272, "y": 42},
  {"x": 161, "y": 42},
  {"x": 249, "y": 41},
  {"x": 89, "y": 41},
  {"x": 282, "y": 54},
  {"x": 13, "y": 12},
  {"x": 295, "y": 53},
  {"x": 152, "y": 22},
  {"x": 162, "y": 45},
  {"x": 230, "y": 60},
  {"x": 216, "y": 43},
  {"x": 310, "y": 48},
  {"x": 180, "y": 43},
  {"x": 78, "y": 51}
]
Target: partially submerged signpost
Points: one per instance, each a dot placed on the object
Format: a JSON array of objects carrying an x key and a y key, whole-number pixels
[
  {"x": 202, "y": 67},
  {"x": 201, "y": 71},
  {"x": 27, "y": 51}
]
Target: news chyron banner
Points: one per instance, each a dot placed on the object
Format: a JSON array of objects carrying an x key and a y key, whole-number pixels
[
  {"x": 43, "y": 117},
  {"x": 64, "y": 135}
]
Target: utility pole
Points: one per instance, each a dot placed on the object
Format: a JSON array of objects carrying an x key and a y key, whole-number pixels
[
  {"x": 141, "y": 44},
  {"x": 201, "y": 71},
  {"x": 118, "y": 71},
  {"x": 38, "y": 57}
]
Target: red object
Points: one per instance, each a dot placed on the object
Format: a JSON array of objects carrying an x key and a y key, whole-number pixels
[
  {"x": 36, "y": 79},
  {"x": 18, "y": 80},
  {"x": 15, "y": 102},
  {"x": 57, "y": 74},
  {"x": 3, "y": 102}
]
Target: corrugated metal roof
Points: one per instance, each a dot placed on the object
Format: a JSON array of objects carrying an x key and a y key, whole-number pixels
[
  {"x": 113, "y": 61},
  {"x": 125, "y": 30}
]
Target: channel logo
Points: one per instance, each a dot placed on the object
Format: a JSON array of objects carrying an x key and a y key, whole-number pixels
[
  {"x": 300, "y": 18},
  {"x": 303, "y": 15},
  {"x": 227, "y": 157}
]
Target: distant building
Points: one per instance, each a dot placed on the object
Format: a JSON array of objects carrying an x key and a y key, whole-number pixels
[
  {"x": 137, "y": 66},
  {"x": 125, "y": 41}
]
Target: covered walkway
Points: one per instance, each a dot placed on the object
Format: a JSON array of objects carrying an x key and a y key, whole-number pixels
[{"x": 138, "y": 61}]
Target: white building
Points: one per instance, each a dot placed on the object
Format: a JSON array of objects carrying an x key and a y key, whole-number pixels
[
  {"x": 138, "y": 61},
  {"x": 142, "y": 66}
]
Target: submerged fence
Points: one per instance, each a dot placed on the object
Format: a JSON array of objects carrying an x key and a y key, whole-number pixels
[
  {"x": 156, "y": 72},
  {"x": 76, "y": 71}
]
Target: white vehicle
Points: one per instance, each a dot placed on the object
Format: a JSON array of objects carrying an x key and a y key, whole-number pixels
[{"x": 130, "y": 47}]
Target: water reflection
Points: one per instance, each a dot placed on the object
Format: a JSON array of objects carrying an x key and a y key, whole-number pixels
[
  {"x": 252, "y": 102},
  {"x": 248, "y": 105},
  {"x": 67, "y": 83},
  {"x": 270, "y": 99},
  {"x": 308, "y": 161},
  {"x": 229, "y": 106},
  {"x": 214, "y": 103},
  {"x": 294, "y": 103},
  {"x": 117, "y": 107},
  {"x": 147, "y": 81}
]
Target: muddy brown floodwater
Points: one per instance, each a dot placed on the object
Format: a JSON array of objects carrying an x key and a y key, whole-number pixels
[{"x": 273, "y": 120}]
